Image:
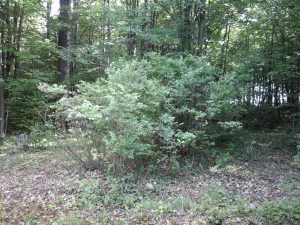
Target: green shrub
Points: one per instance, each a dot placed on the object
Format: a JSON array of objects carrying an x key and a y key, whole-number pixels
[
  {"x": 25, "y": 102},
  {"x": 146, "y": 112},
  {"x": 286, "y": 212}
]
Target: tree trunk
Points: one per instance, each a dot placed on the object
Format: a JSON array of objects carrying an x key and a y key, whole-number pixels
[
  {"x": 108, "y": 39},
  {"x": 64, "y": 38},
  {"x": 74, "y": 34},
  {"x": 2, "y": 105},
  {"x": 185, "y": 30},
  {"x": 153, "y": 22},
  {"x": 8, "y": 42},
  {"x": 131, "y": 37},
  {"x": 48, "y": 18},
  {"x": 225, "y": 48},
  {"x": 276, "y": 95},
  {"x": 18, "y": 43},
  {"x": 144, "y": 26},
  {"x": 201, "y": 26},
  {"x": 75, "y": 20}
]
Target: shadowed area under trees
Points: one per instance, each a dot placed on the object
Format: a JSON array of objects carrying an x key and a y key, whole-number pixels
[{"x": 149, "y": 112}]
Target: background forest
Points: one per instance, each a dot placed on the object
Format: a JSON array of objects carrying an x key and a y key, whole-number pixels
[{"x": 136, "y": 88}]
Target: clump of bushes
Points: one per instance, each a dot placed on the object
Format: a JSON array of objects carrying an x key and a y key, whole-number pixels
[{"x": 145, "y": 113}]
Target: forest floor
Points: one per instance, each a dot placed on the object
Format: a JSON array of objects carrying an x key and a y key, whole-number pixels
[{"x": 44, "y": 188}]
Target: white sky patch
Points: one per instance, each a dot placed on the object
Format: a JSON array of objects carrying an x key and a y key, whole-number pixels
[{"x": 55, "y": 7}]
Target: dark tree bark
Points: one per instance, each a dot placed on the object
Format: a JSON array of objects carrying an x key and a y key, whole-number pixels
[
  {"x": 64, "y": 38},
  {"x": 74, "y": 34}
]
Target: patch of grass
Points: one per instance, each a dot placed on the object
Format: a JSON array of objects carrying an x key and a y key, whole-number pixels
[
  {"x": 8, "y": 144},
  {"x": 218, "y": 206},
  {"x": 185, "y": 204},
  {"x": 156, "y": 206},
  {"x": 89, "y": 193},
  {"x": 68, "y": 220},
  {"x": 215, "y": 195},
  {"x": 286, "y": 212},
  {"x": 120, "y": 193},
  {"x": 114, "y": 193},
  {"x": 291, "y": 186},
  {"x": 103, "y": 217},
  {"x": 223, "y": 159},
  {"x": 28, "y": 218}
]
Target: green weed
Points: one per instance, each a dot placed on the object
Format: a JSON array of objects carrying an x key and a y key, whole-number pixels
[
  {"x": 68, "y": 220},
  {"x": 218, "y": 206},
  {"x": 286, "y": 212}
]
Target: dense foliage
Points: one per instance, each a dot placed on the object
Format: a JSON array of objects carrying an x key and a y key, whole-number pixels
[{"x": 149, "y": 82}]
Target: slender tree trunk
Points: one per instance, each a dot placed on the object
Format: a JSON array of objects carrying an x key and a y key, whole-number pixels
[
  {"x": 2, "y": 43},
  {"x": 254, "y": 96},
  {"x": 185, "y": 30},
  {"x": 207, "y": 27},
  {"x": 201, "y": 27},
  {"x": 270, "y": 69},
  {"x": 153, "y": 22},
  {"x": 276, "y": 95},
  {"x": 8, "y": 42},
  {"x": 108, "y": 39},
  {"x": 282, "y": 95},
  {"x": 144, "y": 26},
  {"x": 74, "y": 34},
  {"x": 225, "y": 47},
  {"x": 131, "y": 37},
  {"x": 75, "y": 21},
  {"x": 18, "y": 44},
  {"x": 2, "y": 104},
  {"x": 64, "y": 38},
  {"x": 64, "y": 44},
  {"x": 48, "y": 19},
  {"x": 226, "y": 50}
]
